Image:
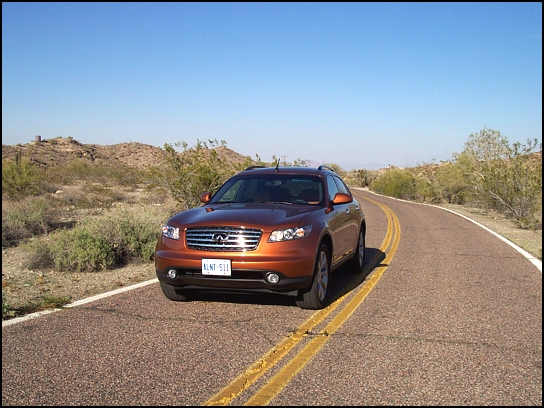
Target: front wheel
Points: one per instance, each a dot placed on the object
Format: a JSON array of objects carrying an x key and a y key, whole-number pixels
[
  {"x": 357, "y": 263},
  {"x": 316, "y": 296},
  {"x": 173, "y": 293}
]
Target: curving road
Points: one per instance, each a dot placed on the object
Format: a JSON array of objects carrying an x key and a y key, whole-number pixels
[{"x": 444, "y": 314}]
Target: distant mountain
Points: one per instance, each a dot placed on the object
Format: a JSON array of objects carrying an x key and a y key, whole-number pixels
[{"x": 60, "y": 150}]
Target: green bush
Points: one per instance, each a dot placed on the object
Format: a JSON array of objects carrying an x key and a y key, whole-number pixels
[
  {"x": 82, "y": 251},
  {"x": 451, "y": 185},
  {"x": 22, "y": 179},
  {"x": 441, "y": 183},
  {"x": 132, "y": 233},
  {"x": 102, "y": 242},
  {"x": 396, "y": 183}
]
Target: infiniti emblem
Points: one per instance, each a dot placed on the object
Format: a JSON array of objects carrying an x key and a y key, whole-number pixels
[{"x": 220, "y": 238}]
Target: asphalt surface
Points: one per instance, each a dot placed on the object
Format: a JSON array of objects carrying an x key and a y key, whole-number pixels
[{"x": 451, "y": 315}]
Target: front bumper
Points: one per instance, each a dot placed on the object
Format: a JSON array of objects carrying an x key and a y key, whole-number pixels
[
  {"x": 248, "y": 270},
  {"x": 240, "y": 280}
]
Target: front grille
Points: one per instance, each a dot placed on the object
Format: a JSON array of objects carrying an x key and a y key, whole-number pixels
[{"x": 233, "y": 239}]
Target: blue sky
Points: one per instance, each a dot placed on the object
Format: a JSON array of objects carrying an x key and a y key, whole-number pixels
[{"x": 361, "y": 85}]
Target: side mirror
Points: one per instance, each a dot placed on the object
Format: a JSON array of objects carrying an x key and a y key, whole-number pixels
[
  {"x": 206, "y": 197},
  {"x": 342, "y": 198},
  {"x": 339, "y": 198}
]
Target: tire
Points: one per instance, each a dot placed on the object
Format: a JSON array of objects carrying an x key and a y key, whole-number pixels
[
  {"x": 357, "y": 263},
  {"x": 175, "y": 294},
  {"x": 316, "y": 296}
]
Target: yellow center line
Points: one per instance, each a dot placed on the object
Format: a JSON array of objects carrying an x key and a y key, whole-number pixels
[
  {"x": 253, "y": 373},
  {"x": 284, "y": 376},
  {"x": 233, "y": 390}
]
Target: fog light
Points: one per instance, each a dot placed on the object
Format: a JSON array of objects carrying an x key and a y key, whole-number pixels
[
  {"x": 172, "y": 274},
  {"x": 272, "y": 278}
]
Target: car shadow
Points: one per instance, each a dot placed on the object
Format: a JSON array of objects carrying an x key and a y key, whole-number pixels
[
  {"x": 347, "y": 281},
  {"x": 342, "y": 281}
]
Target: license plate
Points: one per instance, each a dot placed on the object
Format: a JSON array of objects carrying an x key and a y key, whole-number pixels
[{"x": 216, "y": 267}]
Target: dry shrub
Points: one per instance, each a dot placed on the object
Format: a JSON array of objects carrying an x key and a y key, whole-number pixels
[
  {"x": 23, "y": 219},
  {"x": 117, "y": 237}
]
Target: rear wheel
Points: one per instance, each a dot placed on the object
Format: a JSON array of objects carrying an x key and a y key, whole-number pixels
[
  {"x": 173, "y": 293},
  {"x": 316, "y": 296},
  {"x": 357, "y": 263}
]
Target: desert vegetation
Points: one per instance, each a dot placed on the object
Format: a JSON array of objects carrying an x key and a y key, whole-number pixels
[
  {"x": 489, "y": 173},
  {"x": 89, "y": 208},
  {"x": 95, "y": 211}
]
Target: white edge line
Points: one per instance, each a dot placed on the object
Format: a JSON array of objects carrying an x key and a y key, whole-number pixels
[
  {"x": 27, "y": 317},
  {"x": 78, "y": 302},
  {"x": 111, "y": 293},
  {"x": 534, "y": 260}
]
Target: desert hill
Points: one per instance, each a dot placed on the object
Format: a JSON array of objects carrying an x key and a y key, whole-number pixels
[{"x": 60, "y": 150}]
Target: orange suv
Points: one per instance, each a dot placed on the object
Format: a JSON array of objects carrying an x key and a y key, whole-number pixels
[{"x": 267, "y": 229}]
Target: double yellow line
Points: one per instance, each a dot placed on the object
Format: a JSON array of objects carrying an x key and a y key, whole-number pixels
[{"x": 265, "y": 394}]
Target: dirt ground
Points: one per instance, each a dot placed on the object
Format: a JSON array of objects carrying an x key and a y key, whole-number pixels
[{"x": 22, "y": 286}]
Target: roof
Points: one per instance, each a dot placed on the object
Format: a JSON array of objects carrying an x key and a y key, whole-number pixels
[{"x": 289, "y": 170}]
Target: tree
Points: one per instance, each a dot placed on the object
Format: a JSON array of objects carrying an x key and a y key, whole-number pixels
[
  {"x": 507, "y": 177},
  {"x": 486, "y": 145},
  {"x": 194, "y": 171}
]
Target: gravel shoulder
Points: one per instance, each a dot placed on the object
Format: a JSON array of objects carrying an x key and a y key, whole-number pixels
[{"x": 22, "y": 287}]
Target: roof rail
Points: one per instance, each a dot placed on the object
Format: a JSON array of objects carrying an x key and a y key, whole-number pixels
[
  {"x": 324, "y": 167},
  {"x": 255, "y": 167}
]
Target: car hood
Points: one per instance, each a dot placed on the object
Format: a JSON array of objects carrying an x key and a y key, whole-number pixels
[{"x": 240, "y": 214}]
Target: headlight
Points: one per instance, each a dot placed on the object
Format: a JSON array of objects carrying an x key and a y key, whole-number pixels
[
  {"x": 170, "y": 232},
  {"x": 290, "y": 233}
]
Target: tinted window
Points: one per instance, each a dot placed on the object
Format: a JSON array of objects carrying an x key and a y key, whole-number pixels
[
  {"x": 228, "y": 192},
  {"x": 342, "y": 188},
  {"x": 270, "y": 188},
  {"x": 333, "y": 188}
]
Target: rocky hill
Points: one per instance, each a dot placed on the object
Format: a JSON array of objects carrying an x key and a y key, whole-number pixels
[{"x": 60, "y": 150}]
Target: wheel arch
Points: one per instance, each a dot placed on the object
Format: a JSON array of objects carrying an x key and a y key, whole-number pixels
[{"x": 327, "y": 240}]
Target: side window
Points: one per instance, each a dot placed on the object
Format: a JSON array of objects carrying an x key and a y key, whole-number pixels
[
  {"x": 342, "y": 188},
  {"x": 332, "y": 187},
  {"x": 230, "y": 194}
]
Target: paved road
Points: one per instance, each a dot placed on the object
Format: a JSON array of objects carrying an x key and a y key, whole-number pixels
[{"x": 445, "y": 314}]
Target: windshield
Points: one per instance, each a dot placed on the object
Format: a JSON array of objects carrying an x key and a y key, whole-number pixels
[{"x": 275, "y": 188}]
